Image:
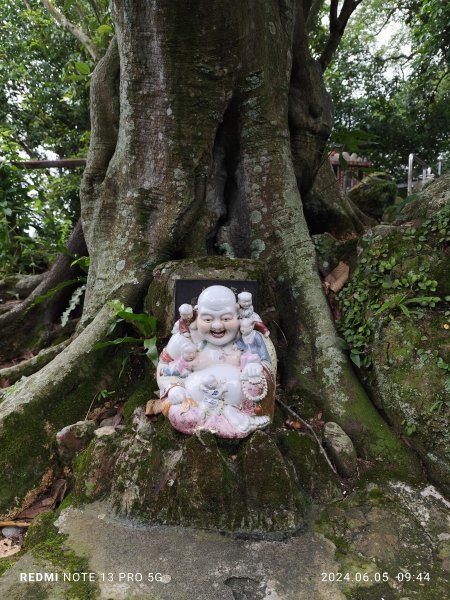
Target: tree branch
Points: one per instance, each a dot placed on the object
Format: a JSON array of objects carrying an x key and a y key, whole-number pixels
[
  {"x": 337, "y": 28},
  {"x": 60, "y": 163},
  {"x": 74, "y": 30},
  {"x": 313, "y": 13},
  {"x": 94, "y": 7},
  {"x": 386, "y": 21}
]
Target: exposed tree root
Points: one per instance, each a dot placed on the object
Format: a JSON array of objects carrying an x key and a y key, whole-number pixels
[
  {"x": 30, "y": 366},
  {"x": 23, "y": 327},
  {"x": 36, "y": 407},
  {"x": 328, "y": 209},
  {"x": 20, "y": 286}
]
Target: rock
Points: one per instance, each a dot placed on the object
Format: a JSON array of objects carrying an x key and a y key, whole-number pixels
[
  {"x": 325, "y": 205},
  {"x": 272, "y": 500},
  {"x": 341, "y": 449},
  {"x": 412, "y": 389},
  {"x": 156, "y": 475},
  {"x": 74, "y": 439},
  {"x": 407, "y": 343},
  {"x": 427, "y": 203},
  {"x": 330, "y": 251},
  {"x": 94, "y": 469},
  {"x": 374, "y": 194},
  {"x": 105, "y": 431},
  {"x": 10, "y": 532},
  {"x": 313, "y": 472},
  {"x": 109, "y": 421},
  {"x": 141, "y": 424}
]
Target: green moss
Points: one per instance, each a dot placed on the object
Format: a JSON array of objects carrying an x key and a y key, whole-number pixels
[
  {"x": 38, "y": 422},
  {"x": 324, "y": 525},
  {"x": 381, "y": 590},
  {"x": 211, "y": 501},
  {"x": 313, "y": 472},
  {"x": 94, "y": 468},
  {"x": 82, "y": 460},
  {"x": 140, "y": 395},
  {"x": 411, "y": 387},
  {"x": 272, "y": 499},
  {"x": 47, "y": 544},
  {"x": 165, "y": 436},
  {"x": 5, "y": 564}
]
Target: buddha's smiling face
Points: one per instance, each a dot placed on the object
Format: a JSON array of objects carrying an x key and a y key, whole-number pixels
[{"x": 217, "y": 320}]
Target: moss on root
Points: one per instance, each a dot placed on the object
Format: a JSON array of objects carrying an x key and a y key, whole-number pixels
[
  {"x": 140, "y": 393},
  {"x": 27, "y": 433}
]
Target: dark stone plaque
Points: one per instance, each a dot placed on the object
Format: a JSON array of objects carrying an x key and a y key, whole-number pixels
[{"x": 188, "y": 290}]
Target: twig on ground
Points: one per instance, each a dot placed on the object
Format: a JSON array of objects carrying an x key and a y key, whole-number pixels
[{"x": 308, "y": 426}]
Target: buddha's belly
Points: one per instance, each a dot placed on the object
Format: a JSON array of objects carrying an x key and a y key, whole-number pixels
[{"x": 226, "y": 372}]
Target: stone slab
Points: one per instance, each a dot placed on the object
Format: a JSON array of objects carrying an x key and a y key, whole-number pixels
[{"x": 194, "y": 565}]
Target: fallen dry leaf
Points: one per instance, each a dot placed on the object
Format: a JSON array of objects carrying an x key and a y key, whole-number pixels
[
  {"x": 338, "y": 277},
  {"x": 291, "y": 424},
  {"x": 317, "y": 421},
  {"x": 8, "y": 547},
  {"x": 49, "y": 502},
  {"x": 154, "y": 407},
  {"x": 33, "y": 494},
  {"x": 117, "y": 419}
]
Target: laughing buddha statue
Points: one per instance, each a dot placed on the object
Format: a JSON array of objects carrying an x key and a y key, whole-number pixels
[{"x": 217, "y": 372}]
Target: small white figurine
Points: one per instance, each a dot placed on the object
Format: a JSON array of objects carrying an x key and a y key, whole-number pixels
[
  {"x": 186, "y": 321},
  {"x": 184, "y": 365},
  {"x": 251, "y": 343},
  {"x": 213, "y": 390},
  {"x": 246, "y": 311}
]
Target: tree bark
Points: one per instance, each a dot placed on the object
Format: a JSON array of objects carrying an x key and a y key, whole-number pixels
[
  {"x": 208, "y": 126},
  {"x": 327, "y": 208},
  {"x": 209, "y": 158}
]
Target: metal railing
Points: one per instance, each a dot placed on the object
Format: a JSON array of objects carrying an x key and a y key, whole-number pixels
[{"x": 427, "y": 171}]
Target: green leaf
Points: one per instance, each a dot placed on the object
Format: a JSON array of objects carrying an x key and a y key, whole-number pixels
[
  {"x": 404, "y": 310},
  {"x": 341, "y": 343},
  {"x": 145, "y": 324},
  {"x": 83, "y": 262},
  {"x": 55, "y": 290},
  {"x": 356, "y": 358},
  {"x": 152, "y": 352},
  {"x": 116, "y": 305},
  {"x": 82, "y": 68},
  {"x": 104, "y": 30}
]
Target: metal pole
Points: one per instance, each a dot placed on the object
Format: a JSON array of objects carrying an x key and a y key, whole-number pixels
[
  {"x": 410, "y": 172},
  {"x": 439, "y": 167}
]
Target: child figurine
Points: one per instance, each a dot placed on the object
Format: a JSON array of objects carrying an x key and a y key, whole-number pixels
[
  {"x": 186, "y": 320},
  {"x": 251, "y": 343},
  {"x": 183, "y": 365},
  {"x": 213, "y": 390},
  {"x": 246, "y": 312}
]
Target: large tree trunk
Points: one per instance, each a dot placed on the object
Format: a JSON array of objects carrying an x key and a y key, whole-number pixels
[
  {"x": 202, "y": 163},
  {"x": 192, "y": 154}
]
